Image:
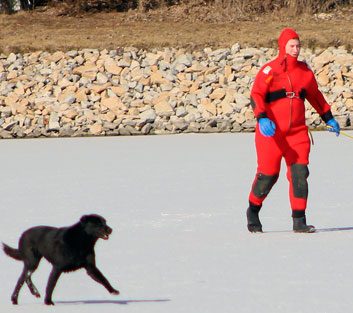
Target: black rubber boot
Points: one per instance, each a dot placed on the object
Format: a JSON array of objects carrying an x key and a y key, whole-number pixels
[
  {"x": 252, "y": 214},
  {"x": 299, "y": 223}
]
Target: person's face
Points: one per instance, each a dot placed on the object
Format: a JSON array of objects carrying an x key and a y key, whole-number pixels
[{"x": 293, "y": 47}]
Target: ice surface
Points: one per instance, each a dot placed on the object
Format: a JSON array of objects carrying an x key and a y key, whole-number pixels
[{"x": 180, "y": 243}]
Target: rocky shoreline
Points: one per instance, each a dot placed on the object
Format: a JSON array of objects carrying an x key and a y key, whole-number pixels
[{"x": 137, "y": 92}]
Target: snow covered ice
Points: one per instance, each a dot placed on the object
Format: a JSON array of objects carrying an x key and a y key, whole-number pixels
[{"x": 177, "y": 208}]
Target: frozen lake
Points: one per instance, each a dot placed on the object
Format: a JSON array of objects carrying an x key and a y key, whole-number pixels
[{"x": 180, "y": 243}]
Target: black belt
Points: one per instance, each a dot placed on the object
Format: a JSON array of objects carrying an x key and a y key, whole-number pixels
[{"x": 282, "y": 93}]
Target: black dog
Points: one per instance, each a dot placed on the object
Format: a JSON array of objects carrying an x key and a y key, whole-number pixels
[{"x": 67, "y": 249}]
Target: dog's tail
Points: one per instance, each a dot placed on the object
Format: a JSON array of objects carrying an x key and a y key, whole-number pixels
[{"x": 11, "y": 252}]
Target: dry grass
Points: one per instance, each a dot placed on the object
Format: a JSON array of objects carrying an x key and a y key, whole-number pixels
[{"x": 189, "y": 27}]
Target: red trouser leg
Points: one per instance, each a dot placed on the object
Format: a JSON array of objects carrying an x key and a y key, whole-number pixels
[
  {"x": 297, "y": 159},
  {"x": 295, "y": 149},
  {"x": 269, "y": 157}
]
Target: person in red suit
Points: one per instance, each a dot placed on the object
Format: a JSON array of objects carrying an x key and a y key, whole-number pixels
[{"x": 277, "y": 98}]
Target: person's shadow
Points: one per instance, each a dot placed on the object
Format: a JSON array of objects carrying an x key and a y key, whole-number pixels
[
  {"x": 318, "y": 230},
  {"x": 123, "y": 302}
]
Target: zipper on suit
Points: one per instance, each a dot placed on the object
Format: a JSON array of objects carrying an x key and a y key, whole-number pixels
[{"x": 290, "y": 103}]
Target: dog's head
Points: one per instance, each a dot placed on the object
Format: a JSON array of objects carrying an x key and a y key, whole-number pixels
[{"x": 96, "y": 225}]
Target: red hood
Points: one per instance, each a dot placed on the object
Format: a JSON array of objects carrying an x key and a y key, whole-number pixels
[{"x": 285, "y": 36}]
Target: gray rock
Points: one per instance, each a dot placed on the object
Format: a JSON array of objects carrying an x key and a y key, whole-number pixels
[
  {"x": 241, "y": 100},
  {"x": 101, "y": 78},
  {"x": 11, "y": 58},
  {"x": 70, "y": 99},
  {"x": 185, "y": 59},
  {"x": 181, "y": 111},
  {"x": 54, "y": 122},
  {"x": 148, "y": 116}
]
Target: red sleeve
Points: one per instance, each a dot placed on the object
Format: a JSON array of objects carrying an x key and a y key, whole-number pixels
[
  {"x": 259, "y": 91},
  {"x": 317, "y": 100}
]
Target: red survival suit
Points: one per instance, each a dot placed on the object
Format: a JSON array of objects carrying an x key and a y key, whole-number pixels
[{"x": 278, "y": 93}]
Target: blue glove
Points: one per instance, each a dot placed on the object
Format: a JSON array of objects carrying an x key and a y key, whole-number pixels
[
  {"x": 267, "y": 127},
  {"x": 333, "y": 126}
]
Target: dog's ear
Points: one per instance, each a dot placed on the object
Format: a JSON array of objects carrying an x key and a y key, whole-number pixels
[
  {"x": 93, "y": 218},
  {"x": 84, "y": 219}
]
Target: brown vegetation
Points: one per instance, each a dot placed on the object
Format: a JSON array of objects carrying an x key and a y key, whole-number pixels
[
  {"x": 191, "y": 25},
  {"x": 243, "y": 7}
]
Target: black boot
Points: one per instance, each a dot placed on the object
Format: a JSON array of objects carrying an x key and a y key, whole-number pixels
[
  {"x": 252, "y": 213},
  {"x": 299, "y": 223}
]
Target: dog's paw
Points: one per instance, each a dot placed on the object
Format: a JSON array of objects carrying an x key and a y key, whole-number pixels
[
  {"x": 35, "y": 293},
  {"x": 48, "y": 302},
  {"x": 115, "y": 292}
]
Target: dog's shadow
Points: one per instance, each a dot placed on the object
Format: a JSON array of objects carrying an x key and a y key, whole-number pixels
[{"x": 121, "y": 302}]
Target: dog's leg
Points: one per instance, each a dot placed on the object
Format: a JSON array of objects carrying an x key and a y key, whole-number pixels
[
  {"x": 31, "y": 259},
  {"x": 20, "y": 282},
  {"x": 95, "y": 273},
  {"x": 53, "y": 278},
  {"x": 32, "y": 288}
]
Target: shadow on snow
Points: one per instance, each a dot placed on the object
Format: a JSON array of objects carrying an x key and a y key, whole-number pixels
[
  {"x": 333, "y": 229},
  {"x": 110, "y": 301},
  {"x": 318, "y": 230}
]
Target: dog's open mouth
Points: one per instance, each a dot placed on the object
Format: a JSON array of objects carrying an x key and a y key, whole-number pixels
[
  {"x": 104, "y": 236},
  {"x": 104, "y": 233}
]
